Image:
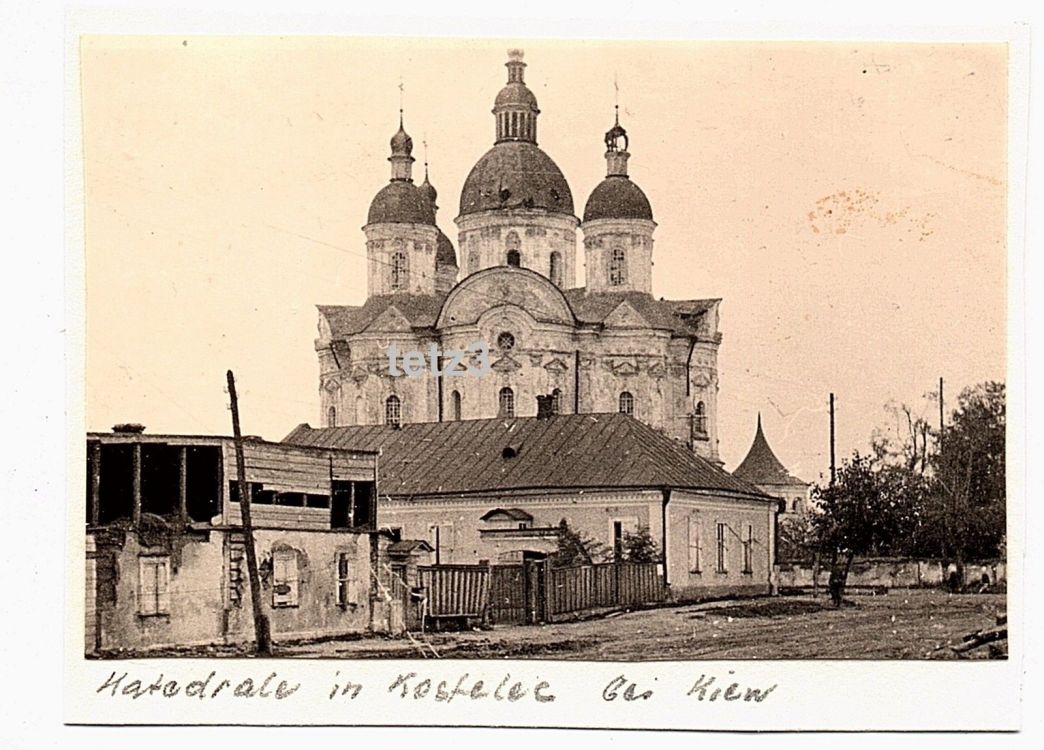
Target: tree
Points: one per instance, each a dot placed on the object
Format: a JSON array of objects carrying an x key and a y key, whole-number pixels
[
  {"x": 576, "y": 548},
  {"x": 796, "y": 539},
  {"x": 967, "y": 510},
  {"x": 640, "y": 547},
  {"x": 858, "y": 514}
]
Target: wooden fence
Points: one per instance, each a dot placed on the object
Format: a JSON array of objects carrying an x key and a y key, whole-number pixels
[
  {"x": 532, "y": 592},
  {"x": 571, "y": 591},
  {"x": 455, "y": 591}
]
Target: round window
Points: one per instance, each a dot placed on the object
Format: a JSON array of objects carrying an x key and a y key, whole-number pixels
[{"x": 505, "y": 342}]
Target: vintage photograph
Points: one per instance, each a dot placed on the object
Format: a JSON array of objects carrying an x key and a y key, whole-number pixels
[{"x": 533, "y": 349}]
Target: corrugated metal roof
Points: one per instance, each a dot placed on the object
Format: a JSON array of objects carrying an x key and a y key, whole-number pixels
[
  {"x": 761, "y": 466},
  {"x": 568, "y": 451}
]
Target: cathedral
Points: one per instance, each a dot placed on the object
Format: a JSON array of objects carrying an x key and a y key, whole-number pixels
[{"x": 510, "y": 286}]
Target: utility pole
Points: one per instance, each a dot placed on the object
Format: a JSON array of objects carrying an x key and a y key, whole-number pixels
[
  {"x": 833, "y": 464},
  {"x": 261, "y": 631},
  {"x": 941, "y": 426}
]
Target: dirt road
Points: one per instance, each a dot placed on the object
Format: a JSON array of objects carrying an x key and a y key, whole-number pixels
[{"x": 914, "y": 624}]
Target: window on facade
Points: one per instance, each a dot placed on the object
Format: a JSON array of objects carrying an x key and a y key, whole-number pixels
[
  {"x": 627, "y": 403},
  {"x": 722, "y": 548},
  {"x": 513, "y": 245},
  {"x": 360, "y": 410},
  {"x": 699, "y": 419},
  {"x": 797, "y": 506},
  {"x": 556, "y": 401},
  {"x": 284, "y": 578},
  {"x": 617, "y": 267},
  {"x": 507, "y": 402},
  {"x": 400, "y": 271},
  {"x": 505, "y": 342},
  {"x": 347, "y": 586},
  {"x": 331, "y": 416},
  {"x": 153, "y": 585},
  {"x": 473, "y": 261},
  {"x": 555, "y": 268},
  {"x": 695, "y": 552},
  {"x": 393, "y": 410},
  {"x": 748, "y": 550},
  {"x": 455, "y": 406}
]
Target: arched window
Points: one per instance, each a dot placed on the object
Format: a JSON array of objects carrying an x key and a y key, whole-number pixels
[
  {"x": 699, "y": 419},
  {"x": 797, "y": 506},
  {"x": 331, "y": 416},
  {"x": 455, "y": 409},
  {"x": 393, "y": 410},
  {"x": 400, "y": 271},
  {"x": 627, "y": 403},
  {"x": 360, "y": 410},
  {"x": 617, "y": 267},
  {"x": 513, "y": 245},
  {"x": 556, "y": 401},
  {"x": 507, "y": 402},
  {"x": 555, "y": 269}
]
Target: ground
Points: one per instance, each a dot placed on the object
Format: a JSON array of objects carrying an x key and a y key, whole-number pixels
[{"x": 902, "y": 624}]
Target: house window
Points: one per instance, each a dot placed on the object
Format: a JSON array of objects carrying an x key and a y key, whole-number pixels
[
  {"x": 722, "y": 549},
  {"x": 154, "y": 585},
  {"x": 627, "y": 403},
  {"x": 331, "y": 416},
  {"x": 797, "y": 506},
  {"x": 284, "y": 578},
  {"x": 695, "y": 552},
  {"x": 393, "y": 410},
  {"x": 505, "y": 342},
  {"x": 699, "y": 419},
  {"x": 748, "y": 550},
  {"x": 507, "y": 402},
  {"x": 400, "y": 271},
  {"x": 617, "y": 267},
  {"x": 473, "y": 261},
  {"x": 513, "y": 245},
  {"x": 455, "y": 406},
  {"x": 555, "y": 268},
  {"x": 556, "y": 401},
  {"x": 347, "y": 586}
]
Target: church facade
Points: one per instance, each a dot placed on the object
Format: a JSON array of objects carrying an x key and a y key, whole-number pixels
[{"x": 510, "y": 284}]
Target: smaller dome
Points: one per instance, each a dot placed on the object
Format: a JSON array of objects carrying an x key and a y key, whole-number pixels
[
  {"x": 429, "y": 190},
  {"x": 516, "y": 94},
  {"x": 445, "y": 255},
  {"x": 401, "y": 143},
  {"x": 400, "y": 202},
  {"x": 616, "y": 197}
]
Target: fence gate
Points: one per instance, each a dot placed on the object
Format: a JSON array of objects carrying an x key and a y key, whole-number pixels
[
  {"x": 507, "y": 595},
  {"x": 455, "y": 591}
]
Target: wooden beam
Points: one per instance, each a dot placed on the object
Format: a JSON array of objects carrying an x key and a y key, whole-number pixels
[
  {"x": 136, "y": 480},
  {"x": 95, "y": 449},
  {"x": 183, "y": 484}
]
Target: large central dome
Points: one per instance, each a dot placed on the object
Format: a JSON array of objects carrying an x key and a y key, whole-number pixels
[{"x": 515, "y": 174}]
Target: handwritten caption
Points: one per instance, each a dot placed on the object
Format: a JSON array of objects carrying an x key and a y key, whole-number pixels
[{"x": 414, "y": 686}]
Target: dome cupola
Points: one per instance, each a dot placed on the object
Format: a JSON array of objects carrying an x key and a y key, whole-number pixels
[
  {"x": 516, "y": 107},
  {"x": 400, "y": 201},
  {"x": 617, "y": 197},
  {"x": 618, "y": 225}
]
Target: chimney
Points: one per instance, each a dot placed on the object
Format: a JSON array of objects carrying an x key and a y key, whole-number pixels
[
  {"x": 128, "y": 428},
  {"x": 545, "y": 406}
]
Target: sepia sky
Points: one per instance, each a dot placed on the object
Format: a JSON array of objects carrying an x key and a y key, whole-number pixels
[{"x": 847, "y": 202}]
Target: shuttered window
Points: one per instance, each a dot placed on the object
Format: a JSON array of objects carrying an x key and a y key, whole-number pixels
[
  {"x": 347, "y": 583},
  {"x": 722, "y": 549},
  {"x": 154, "y": 585},
  {"x": 695, "y": 551},
  {"x": 748, "y": 550},
  {"x": 284, "y": 578}
]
